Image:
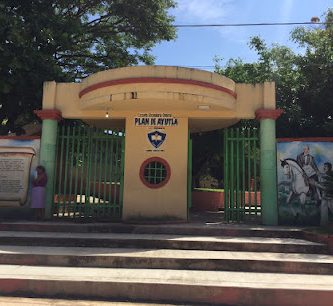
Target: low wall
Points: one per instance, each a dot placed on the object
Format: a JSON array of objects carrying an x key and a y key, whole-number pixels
[
  {"x": 102, "y": 190},
  {"x": 207, "y": 200},
  {"x": 214, "y": 200}
]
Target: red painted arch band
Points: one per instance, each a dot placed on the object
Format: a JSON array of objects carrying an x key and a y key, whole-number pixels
[
  {"x": 156, "y": 80},
  {"x": 306, "y": 139},
  {"x": 268, "y": 113},
  {"x": 20, "y": 137},
  {"x": 52, "y": 114}
]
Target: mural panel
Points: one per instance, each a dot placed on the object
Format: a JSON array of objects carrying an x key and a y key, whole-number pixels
[{"x": 305, "y": 182}]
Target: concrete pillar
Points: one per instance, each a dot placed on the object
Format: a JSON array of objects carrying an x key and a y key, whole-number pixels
[
  {"x": 48, "y": 152},
  {"x": 268, "y": 174}
]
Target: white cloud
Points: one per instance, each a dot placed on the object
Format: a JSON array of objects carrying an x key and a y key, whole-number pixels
[
  {"x": 216, "y": 12},
  {"x": 286, "y": 9},
  {"x": 210, "y": 12},
  {"x": 202, "y": 10},
  {"x": 285, "y": 15}
]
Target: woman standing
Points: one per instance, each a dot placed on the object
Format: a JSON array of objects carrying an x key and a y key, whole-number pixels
[{"x": 38, "y": 192}]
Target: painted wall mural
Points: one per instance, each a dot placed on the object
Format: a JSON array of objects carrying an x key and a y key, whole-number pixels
[
  {"x": 305, "y": 181},
  {"x": 18, "y": 160}
]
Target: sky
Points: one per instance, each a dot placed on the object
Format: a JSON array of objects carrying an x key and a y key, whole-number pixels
[{"x": 197, "y": 47}]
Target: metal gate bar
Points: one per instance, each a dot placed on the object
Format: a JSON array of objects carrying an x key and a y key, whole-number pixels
[
  {"x": 241, "y": 164},
  {"x": 89, "y": 172},
  {"x": 189, "y": 172}
]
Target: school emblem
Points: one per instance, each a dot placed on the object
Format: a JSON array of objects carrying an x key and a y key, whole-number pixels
[{"x": 156, "y": 138}]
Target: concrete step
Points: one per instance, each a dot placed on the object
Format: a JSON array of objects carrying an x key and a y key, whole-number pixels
[
  {"x": 162, "y": 285},
  {"x": 167, "y": 259},
  {"x": 19, "y": 301},
  {"x": 205, "y": 229},
  {"x": 154, "y": 241}
]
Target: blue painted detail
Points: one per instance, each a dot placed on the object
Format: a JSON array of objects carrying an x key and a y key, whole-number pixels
[{"x": 156, "y": 138}]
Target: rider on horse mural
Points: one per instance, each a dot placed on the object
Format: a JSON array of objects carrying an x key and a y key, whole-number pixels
[{"x": 308, "y": 164}]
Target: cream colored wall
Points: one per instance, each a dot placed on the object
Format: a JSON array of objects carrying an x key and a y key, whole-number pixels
[
  {"x": 172, "y": 96},
  {"x": 179, "y": 98},
  {"x": 169, "y": 201},
  {"x": 252, "y": 97},
  {"x": 49, "y": 95},
  {"x": 158, "y": 72}
]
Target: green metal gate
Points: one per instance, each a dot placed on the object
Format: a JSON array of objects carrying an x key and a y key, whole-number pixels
[
  {"x": 89, "y": 173},
  {"x": 241, "y": 174},
  {"x": 189, "y": 172}
]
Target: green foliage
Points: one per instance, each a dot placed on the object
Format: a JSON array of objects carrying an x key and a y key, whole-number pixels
[
  {"x": 66, "y": 40},
  {"x": 304, "y": 82},
  {"x": 316, "y": 69}
]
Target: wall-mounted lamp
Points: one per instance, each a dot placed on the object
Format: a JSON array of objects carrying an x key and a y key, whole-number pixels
[{"x": 107, "y": 114}]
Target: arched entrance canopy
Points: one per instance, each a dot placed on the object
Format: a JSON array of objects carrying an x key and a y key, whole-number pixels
[
  {"x": 209, "y": 100},
  {"x": 158, "y": 106}
]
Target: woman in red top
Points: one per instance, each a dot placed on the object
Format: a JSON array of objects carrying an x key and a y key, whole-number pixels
[{"x": 38, "y": 192}]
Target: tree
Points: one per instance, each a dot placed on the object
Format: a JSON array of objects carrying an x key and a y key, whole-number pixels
[
  {"x": 316, "y": 70},
  {"x": 304, "y": 82},
  {"x": 66, "y": 40},
  {"x": 274, "y": 64}
]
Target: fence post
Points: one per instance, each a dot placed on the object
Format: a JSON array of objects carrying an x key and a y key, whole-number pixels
[
  {"x": 48, "y": 152},
  {"x": 268, "y": 180},
  {"x": 189, "y": 172}
]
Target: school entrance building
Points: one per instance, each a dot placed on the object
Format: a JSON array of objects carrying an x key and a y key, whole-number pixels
[{"x": 132, "y": 159}]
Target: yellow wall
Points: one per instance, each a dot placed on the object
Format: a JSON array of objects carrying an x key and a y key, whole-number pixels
[
  {"x": 169, "y": 201},
  {"x": 183, "y": 99},
  {"x": 252, "y": 97}
]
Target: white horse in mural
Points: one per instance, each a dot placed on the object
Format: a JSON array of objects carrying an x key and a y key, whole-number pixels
[{"x": 297, "y": 179}]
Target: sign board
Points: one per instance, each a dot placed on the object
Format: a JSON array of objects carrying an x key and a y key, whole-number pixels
[
  {"x": 155, "y": 120},
  {"x": 18, "y": 160}
]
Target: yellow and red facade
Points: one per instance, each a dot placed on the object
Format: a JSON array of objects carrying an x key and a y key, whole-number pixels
[{"x": 169, "y": 101}]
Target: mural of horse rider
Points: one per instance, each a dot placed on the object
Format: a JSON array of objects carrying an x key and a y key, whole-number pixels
[
  {"x": 298, "y": 182},
  {"x": 308, "y": 164},
  {"x": 326, "y": 185}
]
